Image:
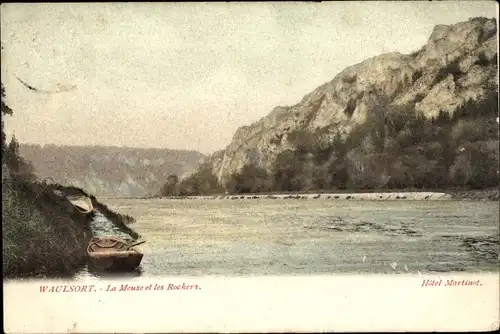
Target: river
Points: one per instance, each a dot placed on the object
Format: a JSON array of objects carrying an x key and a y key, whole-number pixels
[{"x": 301, "y": 237}]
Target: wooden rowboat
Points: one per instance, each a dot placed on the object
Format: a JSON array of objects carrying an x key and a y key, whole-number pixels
[
  {"x": 82, "y": 203},
  {"x": 113, "y": 254}
]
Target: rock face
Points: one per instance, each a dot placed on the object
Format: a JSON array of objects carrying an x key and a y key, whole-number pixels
[
  {"x": 111, "y": 171},
  {"x": 457, "y": 65}
]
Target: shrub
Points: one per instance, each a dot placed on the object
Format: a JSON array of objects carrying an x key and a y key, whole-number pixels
[
  {"x": 476, "y": 165},
  {"x": 468, "y": 130},
  {"x": 202, "y": 182},
  {"x": 249, "y": 179}
]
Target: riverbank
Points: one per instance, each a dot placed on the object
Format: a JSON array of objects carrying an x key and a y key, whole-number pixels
[
  {"x": 382, "y": 196},
  {"x": 453, "y": 194},
  {"x": 483, "y": 194},
  {"x": 44, "y": 235}
]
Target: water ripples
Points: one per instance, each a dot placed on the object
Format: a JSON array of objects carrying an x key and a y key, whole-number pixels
[{"x": 200, "y": 237}]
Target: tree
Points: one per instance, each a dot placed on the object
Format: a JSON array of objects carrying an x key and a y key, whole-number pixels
[
  {"x": 11, "y": 156},
  {"x": 20, "y": 168},
  {"x": 5, "y": 111},
  {"x": 202, "y": 182},
  {"x": 170, "y": 187},
  {"x": 287, "y": 171},
  {"x": 5, "y": 108},
  {"x": 250, "y": 179},
  {"x": 476, "y": 165}
]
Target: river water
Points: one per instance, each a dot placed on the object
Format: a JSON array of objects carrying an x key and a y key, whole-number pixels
[{"x": 301, "y": 237}]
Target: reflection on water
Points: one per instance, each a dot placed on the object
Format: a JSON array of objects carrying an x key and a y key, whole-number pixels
[{"x": 270, "y": 237}]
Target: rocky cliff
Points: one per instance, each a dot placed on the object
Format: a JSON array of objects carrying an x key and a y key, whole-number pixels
[
  {"x": 457, "y": 66},
  {"x": 115, "y": 171}
]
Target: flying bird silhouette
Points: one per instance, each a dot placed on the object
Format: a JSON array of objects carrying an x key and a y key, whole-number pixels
[
  {"x": 24, "y": 83},
  {"x": 60, "y": 87}
]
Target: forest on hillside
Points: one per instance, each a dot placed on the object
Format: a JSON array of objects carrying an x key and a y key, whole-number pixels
[
  {"x": 106, "y": 170},
  {"x": 396, "y": 148}
]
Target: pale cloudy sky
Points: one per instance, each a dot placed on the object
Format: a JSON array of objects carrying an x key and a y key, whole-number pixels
[{"x": 186, "y": 76}]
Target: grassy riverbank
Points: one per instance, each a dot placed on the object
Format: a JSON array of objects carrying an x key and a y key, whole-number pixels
[{"x": 43, "y": 233}]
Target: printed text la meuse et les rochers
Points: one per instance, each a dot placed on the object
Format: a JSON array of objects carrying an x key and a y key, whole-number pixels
[{"x": 118, "y": 287}]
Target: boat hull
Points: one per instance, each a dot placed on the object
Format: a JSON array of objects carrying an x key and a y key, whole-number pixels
[
  {"x": 82, "y": 203},
  {"x": 116, "y": 262},
  {"x": 112, "y": 254}
]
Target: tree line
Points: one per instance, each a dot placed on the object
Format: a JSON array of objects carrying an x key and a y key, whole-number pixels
[{"x": 396, "y": 148}]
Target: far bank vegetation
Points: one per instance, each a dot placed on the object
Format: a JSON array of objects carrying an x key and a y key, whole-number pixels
[{"x": 396, "y": 148}]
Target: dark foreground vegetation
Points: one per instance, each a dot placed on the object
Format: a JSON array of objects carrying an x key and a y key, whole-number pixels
[
  {"x": 43, "y": 234},
  {"x": 396, "y": 148}
]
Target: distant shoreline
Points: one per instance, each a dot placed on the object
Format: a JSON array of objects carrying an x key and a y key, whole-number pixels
[
  {"x": 328, "y": 196},
  {"x": 491, "y": 194}
]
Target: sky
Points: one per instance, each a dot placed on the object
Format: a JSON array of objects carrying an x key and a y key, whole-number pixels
[{"x": 187, "y": 75}]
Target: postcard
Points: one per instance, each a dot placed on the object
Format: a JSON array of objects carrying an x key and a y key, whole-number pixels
[{"x": 250, "y": 167}]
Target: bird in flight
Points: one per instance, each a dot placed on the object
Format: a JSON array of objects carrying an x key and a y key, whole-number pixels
[{"x": 60, "y": 88}]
